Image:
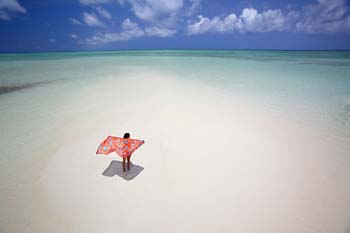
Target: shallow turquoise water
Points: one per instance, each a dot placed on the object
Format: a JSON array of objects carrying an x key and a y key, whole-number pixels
[{"x": 310, "y": 86}]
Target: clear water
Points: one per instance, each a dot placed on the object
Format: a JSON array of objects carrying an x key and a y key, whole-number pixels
[{"x": 35, "y": 89}]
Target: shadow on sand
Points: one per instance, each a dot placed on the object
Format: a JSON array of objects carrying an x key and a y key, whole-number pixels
[{"x": 116, "y": 168}]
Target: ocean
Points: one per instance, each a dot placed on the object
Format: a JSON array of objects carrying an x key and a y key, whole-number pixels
[
  {"x": 308, "y": 86},
  {"x": 277, "y": 119}
]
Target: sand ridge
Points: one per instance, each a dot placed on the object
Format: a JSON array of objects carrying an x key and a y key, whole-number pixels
[{"x": 211, "y": 163}]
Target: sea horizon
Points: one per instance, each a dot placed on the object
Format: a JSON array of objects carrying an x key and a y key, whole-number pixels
[{"x": 165, "y": 49}]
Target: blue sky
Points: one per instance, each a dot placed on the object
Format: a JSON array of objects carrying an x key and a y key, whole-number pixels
[{"x": 75, "y": 25}]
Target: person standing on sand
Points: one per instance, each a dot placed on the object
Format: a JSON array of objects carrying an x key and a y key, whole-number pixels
[
  {"x": 124, "y": 147},
  {"x": 127, "y": 136}
]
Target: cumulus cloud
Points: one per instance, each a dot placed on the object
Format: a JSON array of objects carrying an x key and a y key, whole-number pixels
[
  {"x": 129, "y": 31},
  {"x": 10, "y": 7},
  {"x": 103, "y": 12},
  {"x": 160, "y": 17},
  {"x": 328, "y": 16},
  {"x": 266, "y": 21},
  {"x": 74, "y": 21},
  {"x": 194, "y": 6},
  {"x": 150, "y": 10},
  {"x": 250, "y": 20},
  {"x": 128, "y": 25},
  {"x": 163, "y": 17},
  {"x": 325, "y": 17},
  {"x": 92, "y": 20},
  {"x": 160, "y": 32}
]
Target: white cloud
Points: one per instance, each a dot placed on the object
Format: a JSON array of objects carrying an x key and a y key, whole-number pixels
[
  {"x": 151, "y": 10},
  {"x": 157, "y": 14},
  {"x": 162, "y": 18},
  {"x": 92, "y": 20},
  {"x": 130, "y": 30},
  {"x": 204, "y": 24},
  {"x": 194, "y": 6},
  {"x": 266, "y": 21},
  {"x": 103, "y": 12},
  {"x": 52, "y": 40},
  {"x": 249, "y": 21},
  {"x": 160, "y": 32},
  {"x": 9, "y": 7},
  {"x": 325, "y": 17},
  {"x": 74, "y": 21},
  {"x": 129, "y": 25}
]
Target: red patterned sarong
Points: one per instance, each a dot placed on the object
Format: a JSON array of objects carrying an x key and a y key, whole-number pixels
[{"x": 123, "y": 146}]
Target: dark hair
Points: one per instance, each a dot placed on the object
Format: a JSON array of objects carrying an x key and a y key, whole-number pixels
[{"x": 126, "y": 135}]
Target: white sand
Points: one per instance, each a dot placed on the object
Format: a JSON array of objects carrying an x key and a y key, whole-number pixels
[{"x": 213, "y": 162}]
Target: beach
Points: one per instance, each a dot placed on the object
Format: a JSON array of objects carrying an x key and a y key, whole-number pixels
[{"x": 246, "y": 141}]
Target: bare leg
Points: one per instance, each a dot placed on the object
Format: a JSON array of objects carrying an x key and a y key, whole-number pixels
[
  {"x": 129, "y": 162},
  {"x": 124, "y": 164}
]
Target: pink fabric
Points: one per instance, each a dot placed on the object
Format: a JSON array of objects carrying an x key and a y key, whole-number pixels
[{"x": 124, "y": 147}]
